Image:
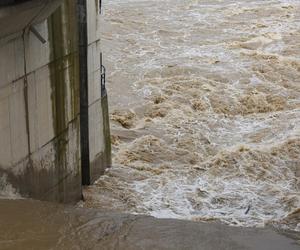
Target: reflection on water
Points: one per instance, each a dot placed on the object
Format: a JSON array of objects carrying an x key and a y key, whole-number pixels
[{"x": 205, "y": 101}]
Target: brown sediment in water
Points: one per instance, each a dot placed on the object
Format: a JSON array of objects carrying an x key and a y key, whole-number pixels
[
  {"x": 281, "y": 162},
  {"x": 207, "y": 116},
  {"x": 125, "y": 117}
]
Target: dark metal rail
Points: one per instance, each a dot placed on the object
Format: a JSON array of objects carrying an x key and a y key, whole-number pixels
[{"x": 102, "y": 77}]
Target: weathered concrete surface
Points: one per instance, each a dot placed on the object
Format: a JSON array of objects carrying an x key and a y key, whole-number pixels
[
  {"x": 99, "y": 149},
  {"x": 40, "y": 153},
  {"x": 27, "y": 13},
  {"x": 39, "y": 109},
  {"x": 35, "y": 225},
  {"x": 95, "y": 155}
]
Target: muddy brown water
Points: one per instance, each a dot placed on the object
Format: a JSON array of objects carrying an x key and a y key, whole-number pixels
[
  {"x": 205, "y": 110},
  {"x": 26, "y": 224}
]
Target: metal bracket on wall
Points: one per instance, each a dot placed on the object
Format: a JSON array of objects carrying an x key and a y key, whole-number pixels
[
  {"x": 102, "y": 77},
  {"x": 37, "y": 34}
]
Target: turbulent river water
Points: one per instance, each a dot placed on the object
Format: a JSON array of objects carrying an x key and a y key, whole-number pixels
[{"x": 205, "y": 110}]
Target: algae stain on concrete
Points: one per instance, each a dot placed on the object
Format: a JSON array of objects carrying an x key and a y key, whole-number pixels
[
  {"x": 97, "y": 4},
  {"x": 106, "y": 131},
  {"x": 63, "y": 74}
]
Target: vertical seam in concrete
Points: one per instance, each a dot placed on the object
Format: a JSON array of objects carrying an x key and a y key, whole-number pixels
[
  {"x": 26, "y": 84},
  {"x": 84, "y": 108},
  {"x": 10, "y": 132},
  {"x": 26, "y": 96}
]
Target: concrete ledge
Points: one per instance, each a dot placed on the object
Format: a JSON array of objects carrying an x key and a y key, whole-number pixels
[{"x": 40, "y": 225}]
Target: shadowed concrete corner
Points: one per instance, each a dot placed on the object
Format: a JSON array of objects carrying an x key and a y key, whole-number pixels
[{"x": 49, "y": 56}]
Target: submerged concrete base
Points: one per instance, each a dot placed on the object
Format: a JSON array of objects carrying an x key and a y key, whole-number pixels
[{"x": 28, "y": 224}]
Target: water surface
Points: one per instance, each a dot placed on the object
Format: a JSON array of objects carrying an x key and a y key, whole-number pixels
[{"x": 205, "y": 103}]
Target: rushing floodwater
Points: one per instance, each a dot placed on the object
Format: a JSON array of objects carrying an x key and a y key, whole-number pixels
[{"x": 205, "y": 103}]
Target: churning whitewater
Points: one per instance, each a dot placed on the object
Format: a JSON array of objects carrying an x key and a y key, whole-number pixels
[{"x": 205, "y": 110}]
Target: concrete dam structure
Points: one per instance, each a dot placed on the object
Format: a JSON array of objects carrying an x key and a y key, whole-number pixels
[{"x": 54, "y": 127}]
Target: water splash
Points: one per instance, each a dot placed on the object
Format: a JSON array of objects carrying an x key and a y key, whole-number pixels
[
  {"x": 7, "y": 191},
  {"x": 205, "y": 101}
]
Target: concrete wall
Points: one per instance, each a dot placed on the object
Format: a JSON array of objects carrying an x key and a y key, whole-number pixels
[
  {"x": 98, "y": 134},
  {"x": 26, "y": 11},
  {"x": 39, "y": 109}
]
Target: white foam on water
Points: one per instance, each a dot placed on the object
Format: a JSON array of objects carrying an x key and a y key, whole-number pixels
[
  {"x": 7, "y": 191},
  {"x": 212, "y": 131}
]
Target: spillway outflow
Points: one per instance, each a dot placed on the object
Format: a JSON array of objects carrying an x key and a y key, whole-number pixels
[{"x": 205, "y": 110}]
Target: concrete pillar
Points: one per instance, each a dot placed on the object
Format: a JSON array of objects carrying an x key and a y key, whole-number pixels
[
  {"x": 39, "y": 109},
  {"x": 54, "y": 123}
]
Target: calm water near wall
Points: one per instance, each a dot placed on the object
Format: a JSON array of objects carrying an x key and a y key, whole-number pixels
[{"x": 205, "y": 103}]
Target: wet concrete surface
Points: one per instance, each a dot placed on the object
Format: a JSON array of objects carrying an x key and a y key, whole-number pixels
[{"x": 26, "y": 224}]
